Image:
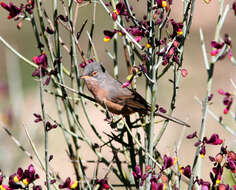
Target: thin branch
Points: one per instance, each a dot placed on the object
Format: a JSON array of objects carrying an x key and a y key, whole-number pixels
[
  {"x": 227, "y": 128},
  {"x": 17, "y": 53},
  {"x": 16, "y": 141}
]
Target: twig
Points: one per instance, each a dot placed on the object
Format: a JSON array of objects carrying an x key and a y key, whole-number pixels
[
  {"x": 16, "y": 141},
  {"x": 81, "y": 29},
  {"x": 37, "y": 156},
  {"x": 45, "y": 131},
  {"x": 92, "y": 29},
  {"x": 77, "y": 92},
  {"x": 76, "y": 15},
  {"x": 204, "y": 52},
  {"x": 43, "y": 29},
  {"x": 227, "y": 128},
  {"x": 17, "y": 53},
  {"x": 52, "y": 27},
  {"x": 140, "y": 146},
  {"x": 34, "y": 148},
  {"x": 94, "y": 50}
]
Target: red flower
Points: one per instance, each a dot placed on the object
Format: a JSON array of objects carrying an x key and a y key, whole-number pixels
[
  {"x": 214, "y": 140},
  {"x": 231, "y": 164},
  {"x": 168, "y": 162},
  {"x": 177, "y": 28},
  {"x": 68, "y": 184},
  {"x": 42, "y": 63},
  {"x": 25, "y": 177},
  {"x": 12, "y": 9},
  {"x": 41, "y": 60},
  {"x": 227, "y": 101},
  {"x": 109, "y": 35},
  {"x": 121, "y": 9},
  {"x": 50, "y": 126},
  {"x": 193, "y": 135},
  {"x": 217, "y": 47},
  {"x": 186, "y": 171}
]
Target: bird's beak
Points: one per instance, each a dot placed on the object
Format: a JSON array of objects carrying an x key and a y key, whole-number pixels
[{"x": 84, "y": 77}]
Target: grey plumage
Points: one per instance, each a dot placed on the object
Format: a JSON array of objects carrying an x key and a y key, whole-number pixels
[{"x": 109, "y": 93}]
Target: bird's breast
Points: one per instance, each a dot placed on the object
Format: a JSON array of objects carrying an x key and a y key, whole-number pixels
[
  {"x": 98, "y": 93},
  {"x": 102, "y": 95}
]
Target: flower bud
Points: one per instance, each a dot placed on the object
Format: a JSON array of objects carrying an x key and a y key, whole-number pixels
[
  {"x": 184, "y": 72},
  {"x": 114, "y": 16}
]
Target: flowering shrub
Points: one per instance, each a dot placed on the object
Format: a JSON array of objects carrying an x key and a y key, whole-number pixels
[{"x": 153, "y": 44}]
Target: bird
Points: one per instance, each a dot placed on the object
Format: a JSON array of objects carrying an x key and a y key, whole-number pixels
[{"x": 109, "y": 93}]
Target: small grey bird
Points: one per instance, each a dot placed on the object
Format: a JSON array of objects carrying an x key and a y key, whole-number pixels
[{"x": 110, "y": 94}]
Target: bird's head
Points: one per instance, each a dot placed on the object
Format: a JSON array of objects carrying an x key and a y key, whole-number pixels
[{"x": 93, "y": 71}]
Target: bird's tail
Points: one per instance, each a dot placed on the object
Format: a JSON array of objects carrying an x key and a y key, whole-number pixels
[{"x": 170, "y": 118}]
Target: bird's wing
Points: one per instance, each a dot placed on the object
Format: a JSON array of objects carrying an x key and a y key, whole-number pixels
[
  {"x": 125, "y": 96},
  {"x": 132, "y": 100}
]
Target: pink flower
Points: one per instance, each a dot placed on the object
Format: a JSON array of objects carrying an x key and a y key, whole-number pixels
[
  {"x": 126, "y": 84},
  {"x": 184, "y": 72},
  {"x": 138, "y": 38},
  {"x": 221, "y": 91},
  {"x": 215, "y": 52},
  {"x": 12, "y": 9}
]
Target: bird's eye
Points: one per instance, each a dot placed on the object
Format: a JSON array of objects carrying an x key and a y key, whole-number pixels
[{"x": 94, "y": 73}]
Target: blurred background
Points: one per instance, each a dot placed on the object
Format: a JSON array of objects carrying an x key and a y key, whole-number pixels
[{"x": 19, "y": 92}]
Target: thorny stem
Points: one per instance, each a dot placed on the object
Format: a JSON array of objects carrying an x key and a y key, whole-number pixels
[{"x": 45, "y": 132}]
